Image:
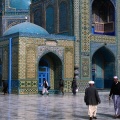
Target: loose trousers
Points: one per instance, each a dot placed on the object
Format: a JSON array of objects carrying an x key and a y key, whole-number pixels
[
  {"x": 44, "y": 90},
  {"x": 116, "y": 100},
  {"x": 92, "y": 110}
]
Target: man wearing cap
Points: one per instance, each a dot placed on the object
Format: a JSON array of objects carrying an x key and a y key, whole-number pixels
[
  {"x": 115, "y": 93},
  {"x": 92, "y": 99}
]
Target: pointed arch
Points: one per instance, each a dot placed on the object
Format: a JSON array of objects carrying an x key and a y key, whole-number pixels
[
  {"x": 50, "y": 66},
  {"x": 106, "y": 48},
  {"x": 103, "y": 67},
  {"x": 53, "y": 53}
]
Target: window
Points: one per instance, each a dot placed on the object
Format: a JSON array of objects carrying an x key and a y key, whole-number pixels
[
  {"x": 103, "y": 17},
  {"x": 63, "y": 15},
  {"x": 50, "y": 19}
]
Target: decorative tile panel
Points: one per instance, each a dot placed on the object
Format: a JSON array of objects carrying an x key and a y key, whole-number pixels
[
  {"x": 67, "y": 85},
  {"x": 28, "y": 87},
  {"x": 85, "y": 67},
  {"x": 69, "y": 63},
  {"x": 12, "y": 22},
  {"x": 45, "y": 49},
  {"x": 65, "y": 43},
  {"x": 81, "y": 85},
  {"x": 118, "y": 38},
  {"x": 103, "y": 39},
  {"x": 28, "y": 91},
  {"x": 22, "y": 84},
  {"x": 85, "y": 25},
  {"x": 30, "y": 62},
  {"x": 15, "y": 84},
  {"x": 52, "y": 76},
  {"x": 22, "y": 59},
  {"x": 77, "y": 29},
  {"x": 15, "y": 64},
  {"x": 5, "y": 64},
  {"x": 28, "y": 83}
]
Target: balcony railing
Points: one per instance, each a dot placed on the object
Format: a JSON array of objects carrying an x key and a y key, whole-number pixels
[{"x": 104, "y": 27}]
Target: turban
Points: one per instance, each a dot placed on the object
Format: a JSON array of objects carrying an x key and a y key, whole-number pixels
[
  {"x": 91, "y": 82},
  {"x": 115, "y": 77}
]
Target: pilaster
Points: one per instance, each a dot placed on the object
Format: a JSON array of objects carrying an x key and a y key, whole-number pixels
[
  {"x": 85, "y": 39},
  {"x": 77, "y": 31},
  {"x": 118, "y": 37}
]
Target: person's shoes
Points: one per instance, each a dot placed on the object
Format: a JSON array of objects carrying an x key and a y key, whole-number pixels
[
  {"x": 94, "y": 117},
  {"x": 116, "y": 116},
  {"x": 90, "y": 118}
]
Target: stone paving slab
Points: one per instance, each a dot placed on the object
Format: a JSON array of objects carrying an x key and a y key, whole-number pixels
[{"x": 52, "y": 107}]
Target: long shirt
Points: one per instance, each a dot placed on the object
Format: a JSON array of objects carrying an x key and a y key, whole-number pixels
[{"x": 115, "y": 89}]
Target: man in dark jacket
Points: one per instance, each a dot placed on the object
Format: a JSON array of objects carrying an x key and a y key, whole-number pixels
[
  {"x": 92, "y": 99},
  {"x": 74, "y": 86},
  {"x": 61, "y": 86},
  {"x": 5, "y": 87},
  {"x": 115, "y": 93}
]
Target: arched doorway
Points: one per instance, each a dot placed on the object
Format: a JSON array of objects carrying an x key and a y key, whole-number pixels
[
  {"x": 103, "y": 67},
  {"x": 43, "y": 72},
  {"x": 50, "y": 67}
]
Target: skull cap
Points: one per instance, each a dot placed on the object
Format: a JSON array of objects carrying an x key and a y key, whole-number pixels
[
  {"x": 115, "y": 77},
  {"x": 91, "y": 82}
]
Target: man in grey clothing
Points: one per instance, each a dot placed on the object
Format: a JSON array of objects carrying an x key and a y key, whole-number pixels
[
  {"x": 115, "y": 93},
  {"x": 92, "y": 99}
]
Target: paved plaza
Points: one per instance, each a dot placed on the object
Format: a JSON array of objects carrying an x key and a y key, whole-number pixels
[{"x": 52, "y": 107}]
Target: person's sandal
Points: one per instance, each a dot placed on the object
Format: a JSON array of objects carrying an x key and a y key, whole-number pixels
[{"x": 94, "y": 117}]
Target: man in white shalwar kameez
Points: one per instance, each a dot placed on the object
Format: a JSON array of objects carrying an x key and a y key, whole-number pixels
[
  {"x": 45, "y": 86},
  {"x": 115, "y": 93},
  {"x": 92, "y": 99}
]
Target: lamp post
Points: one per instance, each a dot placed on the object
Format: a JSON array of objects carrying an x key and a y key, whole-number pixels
[{"x": 10, "y": 65}]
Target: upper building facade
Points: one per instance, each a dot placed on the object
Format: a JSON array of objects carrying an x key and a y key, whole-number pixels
[
  {"x": 56, "y": 16},
  {"x": 13, "y": 12},
  {"x": 95, "y": 24}
]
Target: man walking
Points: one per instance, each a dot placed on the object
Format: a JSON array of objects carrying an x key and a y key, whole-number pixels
[
  {"x": 61, "y": 86},
  {"x": 92, "y": 99},
  {"x": 5, "y": 87},
  {"x": 74, "y": 86},
  {"x": 115, "y": 93},
  {"x": 45, "y": 86}
]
